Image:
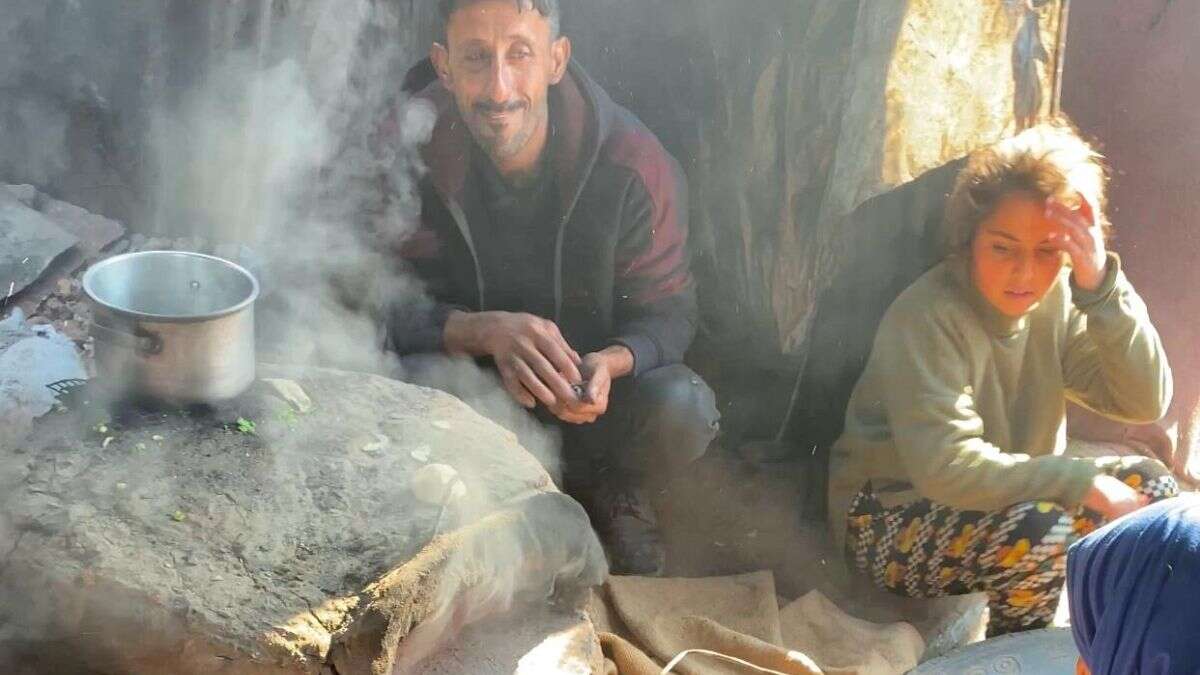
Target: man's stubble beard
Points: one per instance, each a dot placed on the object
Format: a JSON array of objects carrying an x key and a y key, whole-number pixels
[{"x": 501, "y": 152}]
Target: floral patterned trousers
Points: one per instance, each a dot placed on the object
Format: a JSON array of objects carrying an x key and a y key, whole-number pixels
[{"x": 1017, "y": 555}]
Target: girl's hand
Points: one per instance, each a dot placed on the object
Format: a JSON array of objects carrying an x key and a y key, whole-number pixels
[
  {"x": 1112, "y": 499},
  {"x": 1079, "y": 236}
]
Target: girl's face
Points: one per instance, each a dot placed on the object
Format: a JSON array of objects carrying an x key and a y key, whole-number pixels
[{"x": 1013, "y": 260}]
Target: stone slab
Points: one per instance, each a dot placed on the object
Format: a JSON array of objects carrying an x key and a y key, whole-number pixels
[
  {"x": 29, "y": 243},
  {"x": 241, "y": 539},
  {"x": 93, "y": 233},
  {"x": 1042, "y": 652}
]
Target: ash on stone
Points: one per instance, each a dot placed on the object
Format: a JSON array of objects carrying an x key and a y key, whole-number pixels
[{"x": 183, "y": 546}]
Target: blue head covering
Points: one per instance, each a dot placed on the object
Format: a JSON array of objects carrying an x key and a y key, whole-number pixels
[{"x": 1134, "y": 590}]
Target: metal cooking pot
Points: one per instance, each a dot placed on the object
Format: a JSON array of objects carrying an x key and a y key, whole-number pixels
[{"x": 173, "y": 326}]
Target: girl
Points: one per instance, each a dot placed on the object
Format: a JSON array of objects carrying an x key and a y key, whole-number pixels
[{"x": 949, "y": 477}]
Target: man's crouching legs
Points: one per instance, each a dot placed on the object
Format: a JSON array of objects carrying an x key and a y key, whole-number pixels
[{"x": 657, "y": 424}]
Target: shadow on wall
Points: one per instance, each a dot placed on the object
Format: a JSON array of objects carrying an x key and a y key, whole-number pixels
[
  {"x": 753, "y": 104},
  {"x": 906, "y": 222},
  {"x": 72, "y": 108}
]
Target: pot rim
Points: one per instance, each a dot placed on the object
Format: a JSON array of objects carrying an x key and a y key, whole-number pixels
[{"x": 90, "y": 275}]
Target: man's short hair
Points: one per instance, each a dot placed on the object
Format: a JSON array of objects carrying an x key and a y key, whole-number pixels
[{"x": 547, "y": 8}]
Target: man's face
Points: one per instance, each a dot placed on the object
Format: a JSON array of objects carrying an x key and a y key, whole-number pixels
[{"x": 499, "y": 64}]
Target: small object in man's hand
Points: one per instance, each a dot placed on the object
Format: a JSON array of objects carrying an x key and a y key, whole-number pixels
[{"x": 581, "y": 392}]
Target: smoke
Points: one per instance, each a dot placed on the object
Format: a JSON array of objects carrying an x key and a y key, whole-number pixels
[
  {"x": 34, "y": 130},
  {"x": 278, "y": 151},
  {"x": 33, "y": 123},
  {"x": 269, "y": 150},
  {"x": 275, "y": 154},
  {"x": 73, "y": 104}
]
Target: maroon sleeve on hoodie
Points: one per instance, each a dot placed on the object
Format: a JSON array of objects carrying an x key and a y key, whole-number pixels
[
  {"x": 416, "y": 320},
  {"x": 655, "y": 307}
]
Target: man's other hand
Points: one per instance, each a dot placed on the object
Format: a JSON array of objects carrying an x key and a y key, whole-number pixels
[
  {"x": 599, "y": 370},
  {"x": 533, "y": 358},
  {"x": 591, "y": 397}
]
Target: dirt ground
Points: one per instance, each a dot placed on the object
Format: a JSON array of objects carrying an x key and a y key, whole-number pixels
[{"x": 727, "y": 516}]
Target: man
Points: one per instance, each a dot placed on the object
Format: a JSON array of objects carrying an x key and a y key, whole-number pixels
[{"x": 554, "y": 245}]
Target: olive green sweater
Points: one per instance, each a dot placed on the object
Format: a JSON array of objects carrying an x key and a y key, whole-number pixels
[{"x": 964, "y": 406}]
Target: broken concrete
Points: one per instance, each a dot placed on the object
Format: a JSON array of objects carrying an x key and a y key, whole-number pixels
[
  {"x": 29, "y": 243},
  {"x": 90, "y": 235},
  {"x": 248, "y": 538},
  {"x": 94, "y": 232}
]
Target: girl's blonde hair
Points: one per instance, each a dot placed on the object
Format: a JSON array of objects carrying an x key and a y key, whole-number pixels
[{"x": 1048, "y": 160}]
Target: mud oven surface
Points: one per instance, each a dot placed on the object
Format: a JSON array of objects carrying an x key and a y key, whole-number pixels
[{"x": 280, "y": 533}]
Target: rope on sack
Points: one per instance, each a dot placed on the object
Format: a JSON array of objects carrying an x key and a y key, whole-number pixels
[{"x": 733, "y": 659}]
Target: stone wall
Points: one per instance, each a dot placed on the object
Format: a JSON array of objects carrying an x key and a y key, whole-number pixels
[
  {"x": 789, "y": 116},
  {"x": 83, "y": 85}
]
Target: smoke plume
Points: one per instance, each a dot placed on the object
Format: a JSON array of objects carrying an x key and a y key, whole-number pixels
[{"x": 267, "y": 147}]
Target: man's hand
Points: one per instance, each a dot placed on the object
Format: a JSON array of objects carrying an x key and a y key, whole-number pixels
[
  {"x": 1112, "y": 499},
  {"x": 599, "y": 370},
  {"x": 533, "y": 358},
  {"x": 1079, "y": 236}
]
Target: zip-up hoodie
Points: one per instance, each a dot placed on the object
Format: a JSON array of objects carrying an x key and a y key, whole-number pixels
[{"x": 621, "y": 268}]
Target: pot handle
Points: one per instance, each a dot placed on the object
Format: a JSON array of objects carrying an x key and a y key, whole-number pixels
[{"x": 141, "y": 340}]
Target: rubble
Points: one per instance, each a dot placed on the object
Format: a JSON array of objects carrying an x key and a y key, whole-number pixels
[
  {"x": 41, "y": 274},
  {"x": 53, "y": 296},
  {"x": 32, "y": 357},
  {"x": 29, "y": 244}
]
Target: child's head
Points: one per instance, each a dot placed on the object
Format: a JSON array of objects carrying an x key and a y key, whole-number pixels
[
  {"x": 1134, "y": 592},
  {"x": 996, "y": 215}
]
